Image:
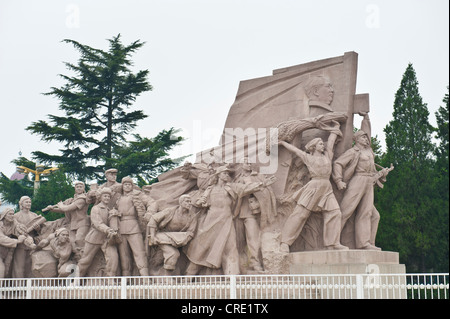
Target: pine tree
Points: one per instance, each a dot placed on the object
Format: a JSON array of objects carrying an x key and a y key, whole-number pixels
[
  {"x": 53, "y": 188},
  {"x": 441, "y": 190},
  {"x": 146, "y": 158},
  {"x": 12, "y": 190},
  {"x": 442, "y": 131},
  {"x": 405, "y": 204},
  {"x": 95, "y": 101}
]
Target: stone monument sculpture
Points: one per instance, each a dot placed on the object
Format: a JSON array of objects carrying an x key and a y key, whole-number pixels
[
  {"x": 214, "y": 245},
  {"x": 21, "y": 267},
  {"x": 62, "y": 250},
  {"x": 12, "y": 233},
  {"x": 112, "y": 184},
  {"x": 355, "y": 172},
  {"x": 171, "y": 229},
  {"x": 288, "y": 189},
  {"x": 132, "y": 244},
  {"x": 75, "y": 210},
  {"x": 252, "y": 211},
  {"x": 101, "y": 236},
  {"x": 316, "y": 196}
]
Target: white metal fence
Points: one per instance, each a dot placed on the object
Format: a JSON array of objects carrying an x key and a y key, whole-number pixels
[{"x": 340, "y": 286}]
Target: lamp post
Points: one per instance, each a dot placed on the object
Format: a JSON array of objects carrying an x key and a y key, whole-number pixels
[{"x": 40, "y": 170}]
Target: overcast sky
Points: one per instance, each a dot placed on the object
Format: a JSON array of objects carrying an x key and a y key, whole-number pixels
[{"x": 197, "y": 52}]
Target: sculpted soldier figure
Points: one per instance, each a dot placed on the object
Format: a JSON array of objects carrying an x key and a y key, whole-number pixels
[
  {"x": 316, "y": 196},
  {"x": 112, "y": 184},
  {"x": 32, "y": 221},
  {"x": 101, "y": 236},
  {"x": 355, "y": 172},
  {"x": 171, "y": 229},
  {"x": 11, "y": 234},
  {"x": 76, "y": 212},
  {"x": 214, "y": 245},
  {"x": 132, "y": 245},
  {"x": 252, "y": 210}
]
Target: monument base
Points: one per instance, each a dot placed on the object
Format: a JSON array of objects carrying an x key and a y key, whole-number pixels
[
  {"x": 345, "y": 262},
  {"x": 373, "y": 274}
]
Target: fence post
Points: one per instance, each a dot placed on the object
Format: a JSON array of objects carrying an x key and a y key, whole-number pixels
[
  {"x": 359, "y": 287},
  {"x": 232, "y": 287},
  {"x": 28, "y": 296},
  {"x": 123, "y": 288}
]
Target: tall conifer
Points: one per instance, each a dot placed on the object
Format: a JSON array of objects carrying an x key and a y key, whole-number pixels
[
  {"x": 96, "y": 101},
  {"x": 406, "y": 201}
]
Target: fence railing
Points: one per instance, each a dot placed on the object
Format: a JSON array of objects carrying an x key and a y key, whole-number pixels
[{"x": 339, "y": 286}]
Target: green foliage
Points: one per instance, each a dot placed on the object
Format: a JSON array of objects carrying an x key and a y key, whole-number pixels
[
  {"x": 11, "y": 191},
  {"x": 412, "y": 221},
  {"x": 146, "y": 158},
  {"x": 441, "y": 186},
  {"x": 94, "y": 130},
  {"x": 58, "y": 187},
  {"x": 95, "y": 102}
]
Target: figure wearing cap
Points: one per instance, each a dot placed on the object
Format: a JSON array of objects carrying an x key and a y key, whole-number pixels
[
  {"x": 112, "y": 184},
  {"x": 355, "y": 172},
  {"x": 252, "y": 212},
  {"x": 132, "y": 245}
]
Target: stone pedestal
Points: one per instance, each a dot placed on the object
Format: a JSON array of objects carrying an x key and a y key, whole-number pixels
[
  {"x": 345, "y": 262},
  {"x": 352, "y": 273}
]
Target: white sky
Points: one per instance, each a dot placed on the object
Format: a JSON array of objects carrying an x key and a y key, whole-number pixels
[{"x": 198, "y": 51}]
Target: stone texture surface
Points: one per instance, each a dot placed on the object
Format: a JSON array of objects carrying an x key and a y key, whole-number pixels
[{"x": 345, "y": 262}]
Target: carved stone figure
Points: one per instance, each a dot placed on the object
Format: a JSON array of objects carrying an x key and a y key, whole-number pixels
[
  {"x": 150, "y": 204},
  {"x": 100, "y": 236},
  {"x": 171, "y": 229},
  {"x": 132, "y": 245},
  {"x": 214, "y": 244},
  {"x": 146, "y": 206},
  {"x": 320, "y": 93},
  {"x": 75, "y": 210},
  {"x": 22, "y": 253},
  {"x": 112, "y": 184},
  {"x": 92, "y": 194},
  {"x": 203, "y": 174},
  {"x": 252, "y": 210},
  {"x": 355, "y": 172},
  {"x": 316, "y": 196},
  {"x": 219, "y": 215},
  {"x": 62, "y": 250},
  {"x": 11, "y": 234}
]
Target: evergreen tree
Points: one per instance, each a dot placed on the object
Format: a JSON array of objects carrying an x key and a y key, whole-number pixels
[
  {"x": 95, "y": 102},
  {"x": 12, "y": 190},
  {"x": 53, "y": 188},
  {"x": 442, "y": 133},
  {"x": 146, "y": 158},
  {"x": 441, "y": 191},
  {"x": 408, "y": 220}
]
